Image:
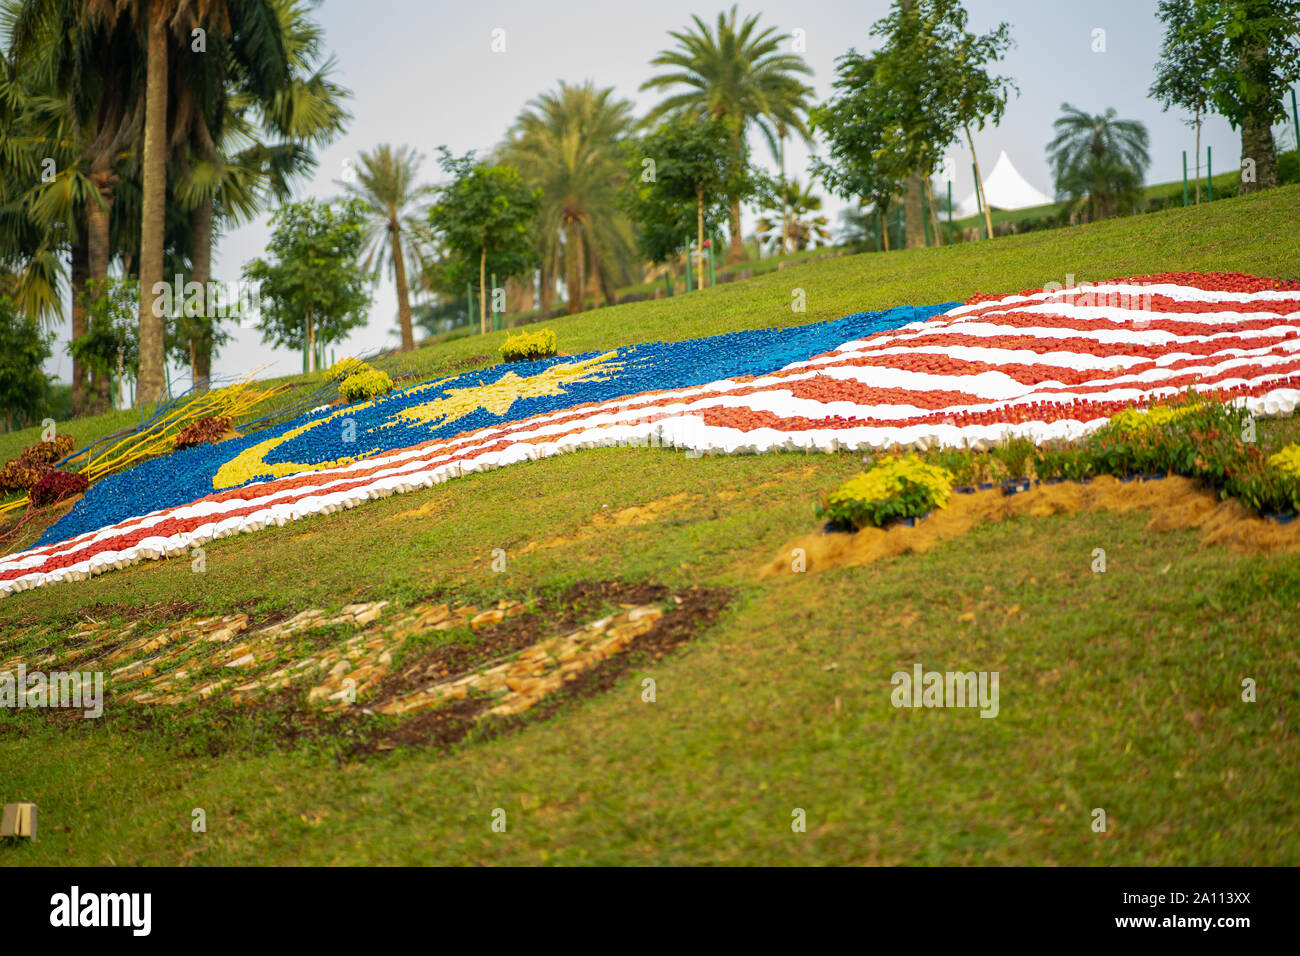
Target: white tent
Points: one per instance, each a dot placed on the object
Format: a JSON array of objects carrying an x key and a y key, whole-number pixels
[{"x": 1004, "y": 188}]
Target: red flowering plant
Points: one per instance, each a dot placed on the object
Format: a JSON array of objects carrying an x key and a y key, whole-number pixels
[
  {"x": 55, "y": 486},
  {"x": 203, "y": 431}
]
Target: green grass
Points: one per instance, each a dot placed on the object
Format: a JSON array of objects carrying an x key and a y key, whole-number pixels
[{"x": 1118, "y": 690}]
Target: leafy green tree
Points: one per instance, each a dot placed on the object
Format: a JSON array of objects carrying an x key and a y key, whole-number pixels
[
  {"x": 568, "y": 144},
  {"x": 1101, "y": 158},
  {"x": 484, "y": 216},
  {"x": 864, "y": 157},
  {"x": 683, "y": 175},
  {"x": 24, "y": 346},
  {"x": 896, "y": 111},
  {"x": 312, "y": 290},
  {"x": 1257, "y": 65},
  {"x": 243, "y": 146},
  {"x": 110, "y": 346},
  {"x": 1188, "y": 55},
  {"x": 386, "y": 181},
  {"x": 800, "y": 221},
  {"x": 738, "y": 73},
  {"x": 165, "y": 33}
]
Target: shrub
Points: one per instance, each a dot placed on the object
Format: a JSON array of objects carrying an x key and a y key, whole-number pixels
[
  {"x": 346, "y": 367},
  {"x": 202, "y": 431},
  {"x": 19, "y": 475},
  {"x": 1014, "y": 456},
  {"x": 57, "y": 485},
  {"x": 365, "y": 384},
  {"x": 528, "y": 346},
  {"x": 1049, "y": 461},
  {"x": 892, "y": 490},
  {"x": 47, "y": 452}
]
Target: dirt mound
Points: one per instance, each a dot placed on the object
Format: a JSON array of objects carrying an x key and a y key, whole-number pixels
[{"x": 1177, "y": 503}]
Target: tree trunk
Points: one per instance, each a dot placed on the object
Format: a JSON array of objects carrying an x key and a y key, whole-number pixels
[
  {"x": 934, "y": 212},
  {"x": 785, "y": 202},
  {"x": 482, "y": 292},
  {"x": 699, "y": 225},
  {"x": 914, "y": 213},
  {"x": 1198, "y": 157},
  {"x": 736, "y": 248},
  {"x": 403, "y": 294},
  {"x": 979, "y": 186},
  {"x": 572, "y": 286},
  {"x": 201, "y": 332},
  {"x": 97, "y": 243},
  {"x": 154, "y": 181},
  {"x": 1257, "y": 144},
  {"x": 545, "y": 282},
  {"x": 884, "y": 226},
  {"x": 582, "y": 272},
  {"x": 80, "y": 273}
]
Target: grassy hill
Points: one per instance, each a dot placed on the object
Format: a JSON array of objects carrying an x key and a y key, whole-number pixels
[{"x": 1119, "y": 690}]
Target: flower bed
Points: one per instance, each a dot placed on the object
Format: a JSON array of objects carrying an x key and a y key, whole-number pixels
[{"x": 1049, "y": 367}]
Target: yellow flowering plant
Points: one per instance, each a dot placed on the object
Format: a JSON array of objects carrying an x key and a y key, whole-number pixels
[
  {"x": 345, "y": 368},
  {"x": 893, "y": 490},
  {"x": 529, "y": 346},
  {"x": 1287, "y": 460},
  {"x": 365, "y": 384}
]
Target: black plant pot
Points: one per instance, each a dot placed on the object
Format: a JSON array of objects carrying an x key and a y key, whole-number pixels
[
  {"x": 1015, "y": 486},
  {"x": 965, "y": 489}
]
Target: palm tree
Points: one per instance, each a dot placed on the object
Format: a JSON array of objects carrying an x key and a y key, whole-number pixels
[
  {"x": 165, "y": 27},
  {"x": 386, "y": 182},
  {"x": 242, "y": 149},
  {"x": 83, "y": 108},
  {"x": 739, "y": 73},
  {"x": 799, "y": 227},
  {"x": 568, "y": 144},
  {"x": 1100, "y": 158}
]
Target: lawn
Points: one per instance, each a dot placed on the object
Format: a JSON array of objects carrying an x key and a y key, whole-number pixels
[{"x": 1119, "y": 691}]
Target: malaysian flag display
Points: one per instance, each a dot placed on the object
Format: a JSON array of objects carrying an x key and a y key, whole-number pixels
[{"x": 1051, "y": 363}]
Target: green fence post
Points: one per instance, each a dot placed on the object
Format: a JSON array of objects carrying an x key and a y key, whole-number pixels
[
  {"x": 690, "y": 284},
  {"x": 899, "y": 244},
  {"x": 496, "y": 317},
  {"x": 950, "y": 212},
  {"x": 876, "y": 221},
  {"x": 1184, "y": 177},
  {"x": 1209, "y": 172},
  {"x": 469, "y": 305},
  {"x": 712, "y": 245}
]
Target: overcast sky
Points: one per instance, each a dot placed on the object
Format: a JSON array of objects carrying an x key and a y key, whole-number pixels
[{"x": 423, "y": 73}]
